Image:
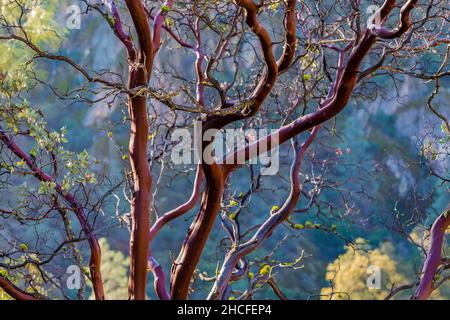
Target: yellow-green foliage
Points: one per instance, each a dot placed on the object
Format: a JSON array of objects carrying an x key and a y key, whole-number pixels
[
  {"x": 3, "y": 294},
  {"x": 29, "y": 279},
  {"x": 38, "y": 21},
  {"x": 348, "y": 274}
]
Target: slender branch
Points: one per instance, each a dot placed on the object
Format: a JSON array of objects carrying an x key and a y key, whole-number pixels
[
  {"x": 290, "y": 25},
  {"x": 268, "y": 226},
  {"x": 158, "y": 272},
  {"x": 405, "y": 23},
  {"x": 200, "y": 229},
  {"x": 15, "y": 292},
  {"x": 95, "y": 259},
  {"x": 158, "y": 24},
  {"x": 216, "y": 175},
  {"x": 118, "y": 30}
]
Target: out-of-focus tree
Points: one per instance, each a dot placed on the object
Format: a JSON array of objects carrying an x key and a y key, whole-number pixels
[
  {"x": 29, "y": 277},
  {"x": 354, "y": 274},
  {"x": 348, "y": 274}
]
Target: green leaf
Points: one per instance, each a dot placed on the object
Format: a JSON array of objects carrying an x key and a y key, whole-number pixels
[
  {"x": 274, "y": 6},
  {"x": 275, "y": 208},
  {"x": 21, "y": 163},
  {"x": 23, "y": 247},
  {"x": 42, "y": 188},
  {"x": 111, "y": 21},
  {"x": 33, "y": 152},
  {"x": 233, "y": 203},
  {"x": 265, "y": 270},
  {"x": 86, "y": 271},
  {"x": 165, "y": 8},
  {"x": 299, "y": 226}
]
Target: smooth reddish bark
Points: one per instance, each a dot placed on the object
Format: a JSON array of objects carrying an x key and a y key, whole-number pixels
[
  {"x": 216, "y": 175},
  {"x": 434, "y": 257},
  {"x": 139, "y": 76},
  {"x": 15, "y": 292}
]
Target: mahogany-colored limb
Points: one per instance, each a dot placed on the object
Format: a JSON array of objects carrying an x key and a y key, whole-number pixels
[
  {"x": 154, "y": 266},
  {"x": 15, "y": 292},
  {"x": 290, "y": 25},
  {"x": 140, "y": 69},
  {"x": 193, "y": 245},
  {"x": 268, "y": 226},
  {"x": 184, "y": 266},
  {"x": 118, "y": 29},
  {"x": 140, "y": 207},
  {"x": 434, "y": 256},
  {"x": 139, "y": 75},
  {"x": 146, "y": 49},
  {"x": 158, "y": 24},
  {"x": 405, "y": 23},
  {"x": 95, "y": 258}
]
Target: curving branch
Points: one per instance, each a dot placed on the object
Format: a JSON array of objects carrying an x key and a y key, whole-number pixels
[
  {"x": 270, "y": 75},
  {"x": 339, "y": 95},
  {"x": 95, "y": 259},
  {"x": 184, "y": 267},
  {"x": 268, "y": 226},
  {"x": 15, "y": 292},
  {"x": 405, "y": 23},
  {"x": 216, "y": 175},
  {"x": 290, "y": 25},
  {"x": 139, "y": 75},
  {"x": 159, "y": 23},
  {"x": 116, "y": 25},
  {"x": 198, "y": 64},
  {"x": 266, "y": 83},
  {"x": 434, "y": 256},
  {"x": 154, "y": 266},
  {"x": 276, "y": 289},
  {"x": 47, "y": 55},
  {"x": 199, "y": 231},
  {"x": 141, "y": 51},
  {"x": 146, "y": 49}
]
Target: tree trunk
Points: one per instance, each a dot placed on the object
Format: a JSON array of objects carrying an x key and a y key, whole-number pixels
[
  {"x": 184, "y": 267},
  {"x": 140, "y": 208}
]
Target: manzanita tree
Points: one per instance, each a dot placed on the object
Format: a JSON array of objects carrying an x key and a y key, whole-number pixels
[{"x": 286, "y": 65}]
